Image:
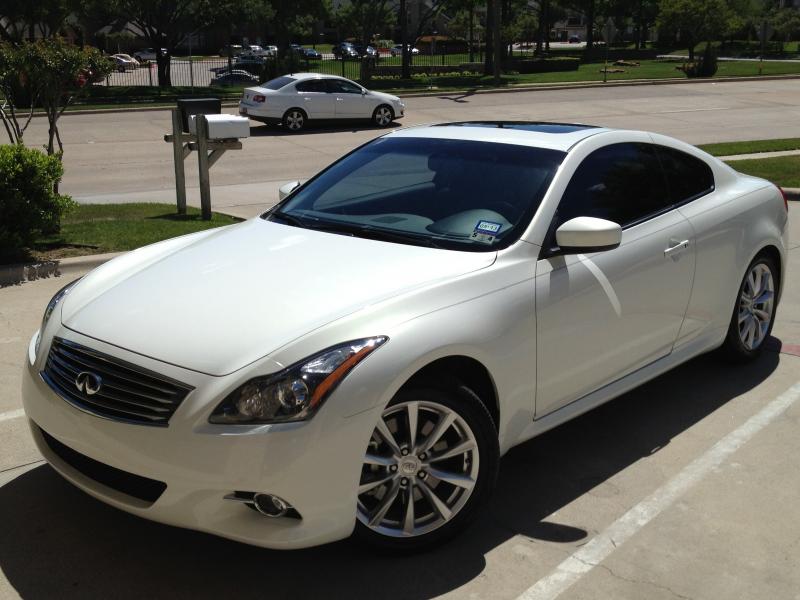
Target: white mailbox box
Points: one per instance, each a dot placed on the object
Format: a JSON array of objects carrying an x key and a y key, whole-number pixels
[{"x": 223, "y": 127}]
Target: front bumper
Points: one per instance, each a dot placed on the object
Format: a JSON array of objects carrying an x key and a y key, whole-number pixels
[{"x": 314, "y": 465}]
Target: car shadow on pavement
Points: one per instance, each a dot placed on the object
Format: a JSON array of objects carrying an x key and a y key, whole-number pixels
[
  {"x": 333, "y": 126},
  {"x": 58, "y": 542}
]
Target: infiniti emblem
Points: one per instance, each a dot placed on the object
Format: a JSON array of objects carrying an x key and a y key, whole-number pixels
[{"x": 88, "y": 383}]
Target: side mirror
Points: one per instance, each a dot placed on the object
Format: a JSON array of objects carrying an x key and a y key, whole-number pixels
[
  {"x": 364, "y": 92},
  {"x": 588, "y": 234},
  {"x": 286, "y": 189}
]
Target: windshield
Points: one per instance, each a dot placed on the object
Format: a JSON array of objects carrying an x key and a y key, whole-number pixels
[
  {"x": 278, "y": 83},
  {"x": 457, "y": 194}
]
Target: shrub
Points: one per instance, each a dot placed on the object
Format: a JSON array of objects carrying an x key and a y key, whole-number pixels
[
  {"x": 28, "y": 203},
  {"x": 705, "y": 66}
]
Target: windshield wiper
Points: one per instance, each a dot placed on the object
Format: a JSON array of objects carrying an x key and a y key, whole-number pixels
[
  {"x": 289, "y": 219},
  {"x": 369, "y": 232}
]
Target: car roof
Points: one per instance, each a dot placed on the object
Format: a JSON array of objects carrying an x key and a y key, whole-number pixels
[
  {"x": 538, "y": 134},
  {"x": 300, "y": 76}
]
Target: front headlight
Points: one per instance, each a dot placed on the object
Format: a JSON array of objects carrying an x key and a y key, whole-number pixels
[
  {"x": 51, "y": 306},
  {"x": 296, "y": 393}
]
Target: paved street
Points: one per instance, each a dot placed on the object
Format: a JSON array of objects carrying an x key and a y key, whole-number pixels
[
  {"x": 684, "y": 488},
  {"x": 122, "y": 156}
]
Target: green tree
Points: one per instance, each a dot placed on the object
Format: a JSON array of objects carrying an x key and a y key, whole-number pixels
[
  {"x": 167, "y": 23},
  {"x": 364, "y": 18},
  {"x": 695, "y": 21}
]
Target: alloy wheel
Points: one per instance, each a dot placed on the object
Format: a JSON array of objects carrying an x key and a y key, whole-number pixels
[
  {"x": 420, "y": 469},
  {"x": 756, "y": 304},
  {"x": 383, "y": 116},
  {"x": 294, "y": 120}
]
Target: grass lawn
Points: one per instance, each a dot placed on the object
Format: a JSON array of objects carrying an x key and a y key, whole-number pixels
[
  {"x": 732, "y": 148},
  {"x": 783, "y": 170},
  {"x": 98, "y": 228}
]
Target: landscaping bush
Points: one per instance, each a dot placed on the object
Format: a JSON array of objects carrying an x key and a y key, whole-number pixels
[
  {"x": 705, "y": 66},
  {"x": 28, "y": 203}
]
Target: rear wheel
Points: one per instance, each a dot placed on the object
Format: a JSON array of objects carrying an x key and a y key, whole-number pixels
[
  {"x": 754, "y": 313},
  {"x": 294, "y": 120},
  {"x": 430, "y": 465},
  {"x": 383, "y": 116}
]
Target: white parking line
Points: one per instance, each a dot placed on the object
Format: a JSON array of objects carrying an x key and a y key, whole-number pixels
[
  {"x": 12, "y": 414},
  {"x": 599, "y": 548}
]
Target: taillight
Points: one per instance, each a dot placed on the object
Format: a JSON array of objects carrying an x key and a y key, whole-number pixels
[
  {"x": 259, "y": 98},
  {"x": 785, "y": 198}
]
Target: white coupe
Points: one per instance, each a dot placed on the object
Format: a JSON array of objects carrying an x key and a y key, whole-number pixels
[
  {"x": 360, "y": 357},
  {"x": 294, "y": 100}
]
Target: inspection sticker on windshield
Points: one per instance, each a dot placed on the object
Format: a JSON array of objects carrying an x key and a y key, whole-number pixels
[{"x": 486, "y": 231}]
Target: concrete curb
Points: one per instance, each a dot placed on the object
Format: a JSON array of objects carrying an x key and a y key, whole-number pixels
[
  {"x": 20, "y": 273},
  {"x": 521, "y": 88}
]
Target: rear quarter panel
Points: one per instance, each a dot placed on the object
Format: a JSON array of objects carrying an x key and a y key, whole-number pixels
[{"x": 732, "y": 225}]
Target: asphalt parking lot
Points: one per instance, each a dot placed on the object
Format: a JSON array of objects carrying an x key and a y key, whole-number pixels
[{"x": 684, "y": 488}]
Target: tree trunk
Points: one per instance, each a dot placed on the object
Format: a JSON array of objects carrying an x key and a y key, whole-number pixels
[
  {"x": 163, "y": 63},
  {"x": 405, "y": 54},
  {"x": 471, "y": 32},
  {"x": 590, "y": 25},
  {"x": 488, "y": 65},
  {"x": 496, "y": 41},
  {"x": 691, "y": 48}
]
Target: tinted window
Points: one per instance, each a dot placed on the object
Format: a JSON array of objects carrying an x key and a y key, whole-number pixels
[
  {"x": 341, "y": 86},
  {"x": 461, "y": 194},
  {"x": 311, "y": 85},
  {"x": 278, "y": 83},
  {"x": 621, "y": 182},
  {"x": 688, "y": 177}
]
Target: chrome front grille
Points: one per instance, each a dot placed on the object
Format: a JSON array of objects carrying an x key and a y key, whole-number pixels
[{"x": 108, "y": 387}]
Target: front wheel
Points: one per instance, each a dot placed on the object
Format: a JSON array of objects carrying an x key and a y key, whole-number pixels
[
  {"x": 429, "y": 467},
  {"x": 383, "y": 116},
  {"x": 754, "y": 313}
]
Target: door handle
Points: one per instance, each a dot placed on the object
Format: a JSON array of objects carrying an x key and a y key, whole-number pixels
[{"x": 676, "y": 247}]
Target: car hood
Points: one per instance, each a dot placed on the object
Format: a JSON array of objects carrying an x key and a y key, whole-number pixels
[
  {"x": 218, "y": 301},
  {"x": 384, "y": 96}
]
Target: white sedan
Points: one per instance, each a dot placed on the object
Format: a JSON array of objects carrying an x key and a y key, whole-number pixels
[
  {"x": 294, "y": 100},
  {"x": 360, "y": 357}
]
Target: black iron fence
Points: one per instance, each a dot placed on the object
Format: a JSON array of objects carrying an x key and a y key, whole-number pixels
[{"x": 203, "y": 72}]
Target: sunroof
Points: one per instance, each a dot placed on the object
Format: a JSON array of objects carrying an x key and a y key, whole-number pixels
[{"x": 523, "y": 126}]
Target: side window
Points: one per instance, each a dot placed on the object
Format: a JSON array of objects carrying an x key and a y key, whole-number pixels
[
  {"x": 339, "y": 86},
  {"x": 312, "y": 85},
  {"x": 688, "y": 177},
  {"x": 621, "y": 182}
]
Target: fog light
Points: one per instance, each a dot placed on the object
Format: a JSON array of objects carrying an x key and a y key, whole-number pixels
[{"x": 270, "y": 505}]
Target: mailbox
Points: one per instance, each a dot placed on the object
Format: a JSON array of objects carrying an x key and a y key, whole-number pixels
[
  {"x": 197, "y": 106},
  {"x": 223, "y": 127}
]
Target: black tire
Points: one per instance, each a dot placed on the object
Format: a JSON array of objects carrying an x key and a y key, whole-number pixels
[
  {"x": 294, "y": 120},
  {"x": 734, "y": 348},
  {"x": 469, "y": 407},
  {"x": 383, "y": 116}
]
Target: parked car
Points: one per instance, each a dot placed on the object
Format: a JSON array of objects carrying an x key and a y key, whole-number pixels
[
  {"x": 398, "y": 50},
  {"x": 396, "y": 324},
  {"x": 251, "y": 64},
  {"x": 310, "y": 54},
  {"x": 344, "y": 50},
  {"x": 574, "y": 39},
  {"x": 294, "y": 100},
  {"x": 123, "y": 62},
  {"x": 148, "y": 54},
  {"x": 235, "y": 77},
  {"x": 365, "y": 51},
  {"x": 254, "y": 50},
  {"x": 232, "y": 49},
  {"x": 128, "y": 57}
]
